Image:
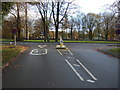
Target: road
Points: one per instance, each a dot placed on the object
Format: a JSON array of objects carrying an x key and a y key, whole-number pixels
[{"x": 43, "y": 66}]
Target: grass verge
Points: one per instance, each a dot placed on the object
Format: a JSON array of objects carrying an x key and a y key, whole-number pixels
[
  {"x": 9, "y": 52},
  {"x": 115, "y": 50},
  {"x": 6, "y": 39},
  {"x": 93, "y": 41},
  {"x": 37, "y": 40},
  {"x": 74, "y": 41}
]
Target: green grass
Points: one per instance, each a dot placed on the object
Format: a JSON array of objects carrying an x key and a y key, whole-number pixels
[
  {"x": 9, "y": 52},
  {"x": 93, "y": 41},
  {"x": 75, "y": 41},
  {"x": 33, "y": 40},
  {"x": 37, "y": 40},
  {"x": 6, "y": 39},
  {"x": 115, "y": 50},
  {"x": 64, "y": 41}
]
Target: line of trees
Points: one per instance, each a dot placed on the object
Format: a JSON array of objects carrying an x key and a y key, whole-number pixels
[{"x": 58, "y": 16}]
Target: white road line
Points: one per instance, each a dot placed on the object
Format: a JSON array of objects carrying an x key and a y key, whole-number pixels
[
  {"x": 31, "y": 53},
  {"x": 91, "y": 81},
  {"x": 59, "y": 52},
  {"x": 41, "y": 46},
  {"x": 74, "y": 70},
  {"x": 87, "y": 70},
  {"x": 70, "y": 52}
]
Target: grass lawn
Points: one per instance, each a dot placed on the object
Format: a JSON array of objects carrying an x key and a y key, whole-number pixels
[
  {"x": 74, "y": 41},
  {"x": 9, "y": 52},
  {"x": 37, "y": 40},
  {"x": 6, "y": 39},
  {"x": 115, "y": 50},
  {"x": 93, "y": 41},
  {"x": 78, "y": 41}
]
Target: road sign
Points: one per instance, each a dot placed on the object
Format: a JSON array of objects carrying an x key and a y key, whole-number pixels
[
  {"x": 117, "y": 26},
  {"x": 117, "y": 31},
  {"x": 14, "y": 30},
  {"x": 41, "y": 33}
]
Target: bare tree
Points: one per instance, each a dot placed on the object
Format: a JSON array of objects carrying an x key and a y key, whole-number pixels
[
  {"x": 71, "y": 24},
  {"x": 116, "y": 8},
  {"x": 26, "y": 20},
  {"x": 59, "y": 10},
  {"x": 107, "y": 19},
  {"x": 65, "y": 26},
  {"x": 91, "y": 24},
  {"x": 84, "y": 25},
  {"x": 18, "y": 20},
  {"x": 43, "y": 8}
]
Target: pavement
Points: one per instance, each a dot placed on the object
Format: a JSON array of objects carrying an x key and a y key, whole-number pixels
[{"x": 44, "y": 66}]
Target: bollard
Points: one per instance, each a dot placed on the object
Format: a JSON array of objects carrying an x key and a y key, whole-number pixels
[
  {"x": 10, "y": 43},
  {"x": 61, "y": 42}
]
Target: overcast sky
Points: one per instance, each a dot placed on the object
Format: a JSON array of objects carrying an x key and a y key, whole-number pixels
[
  {"x": 86, "y": 6},
  {"x": 93, "y": 6}
]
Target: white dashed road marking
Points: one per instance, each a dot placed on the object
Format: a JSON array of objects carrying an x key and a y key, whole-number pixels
[{"x": 70, "y": 52}]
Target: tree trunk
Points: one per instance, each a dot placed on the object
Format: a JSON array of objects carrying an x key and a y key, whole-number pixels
[
  {"x": 56, "y": 33},
  {"x": 83, "y": 36},
  {"x": 57, "y": 23},
  {"x": 47, "y": 33},
  {"x": 71, "y": 33},
  {"x": 44, "y": 31},
  {"x": 62, "y": 35},
  {"x": 106, "y": 36},
  {"x": 26, "y": 21},
  {"x": 98, "y": 34},
  {"x": 106, "y": 32},
  {"x": 18, "y": 22},
  {"x": 90, "y": 35}
]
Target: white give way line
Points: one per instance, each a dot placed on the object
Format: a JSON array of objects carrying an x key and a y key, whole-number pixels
[
  {"x": 42, "y": 46},
  {"x": 67, "y": 50}
]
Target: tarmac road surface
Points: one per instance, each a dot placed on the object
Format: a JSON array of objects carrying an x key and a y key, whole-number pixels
[{"x": 44, "y": 66}]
